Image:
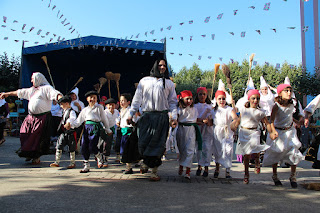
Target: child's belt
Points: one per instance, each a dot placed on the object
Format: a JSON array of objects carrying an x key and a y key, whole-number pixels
[
  {"x": 284, "y": 128},
  {"x": 198, "y": 133}
]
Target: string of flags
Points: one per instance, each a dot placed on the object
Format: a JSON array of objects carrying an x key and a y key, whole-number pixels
[
  {"x": 206, "y": 20},
  {"x": 61, "y": 16}
]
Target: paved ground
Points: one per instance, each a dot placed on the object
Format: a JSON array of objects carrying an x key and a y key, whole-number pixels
[{"x": 28, "y": 188}]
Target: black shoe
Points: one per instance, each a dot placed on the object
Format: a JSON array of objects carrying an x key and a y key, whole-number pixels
[
  {"x": 128, "y": 172},
  {"x": 198, "y": 173},
  {"x": 277, "y": 182},
  {"x": 205, "y": 174},
  {"x": 293, "y": 183},
  {"x": 228, "y": 176},
  {"x": 216, "y": 174}
]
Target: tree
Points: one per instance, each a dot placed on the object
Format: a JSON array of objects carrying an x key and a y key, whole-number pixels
[{"x": 9, "y": 72}]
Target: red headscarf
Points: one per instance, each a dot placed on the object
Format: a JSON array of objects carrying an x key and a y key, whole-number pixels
[
  {"x": 282, "y": 87},
  {"x": 253, "y": 92},
  {"x": 219, "y": 92},
  {"x": 186, "y": 93},
  {"x": 202, "y": 88}
]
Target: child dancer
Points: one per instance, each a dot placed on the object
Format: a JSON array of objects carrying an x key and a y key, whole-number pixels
[
  {"x": 203, "y": 106},
  {"x": 106, "y": 140},
  {"x": 223, "y": 117},
  {"x": 249, "y": 135},
  {"x": 286, "y": 147},
  {"x": 92, "y": 115},
  {"x": 67, "y": 137},
  {"x": 186, "y": 133},
  {"x": 126, "y": 129}
]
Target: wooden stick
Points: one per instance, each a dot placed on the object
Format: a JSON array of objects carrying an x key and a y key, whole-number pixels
[
  {"x": 116, "y": 78},
  {"x": 226, "y": 72},
  {"x": 74, "y": 86},
  {"x": 250, "y": 64},
  {"x": 216, "y": 69},
  {"x": 44, "y": 58}
]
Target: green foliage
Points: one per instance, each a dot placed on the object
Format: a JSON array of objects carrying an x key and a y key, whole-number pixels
[
  {"x": 9, "y": 72},
  {"x": 303, "y": 83}
]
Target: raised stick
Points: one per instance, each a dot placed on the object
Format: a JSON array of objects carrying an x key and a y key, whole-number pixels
[
  {"x": 74, "y": 86},
  {"x": 226, "y": 72},
  {"x": 250, "y": 64},
  {"x": 44, "y": 58},
  {"x": 109, "y": 76},
  {"x": 216, "y": 69}
]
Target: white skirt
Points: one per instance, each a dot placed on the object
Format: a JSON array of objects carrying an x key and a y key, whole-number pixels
[
  {"x": 249, "y": 142},
  {"x": 186, "y": 140},
  {"x": 284, "y": 149},
  {"x": 223, "y": 146}
]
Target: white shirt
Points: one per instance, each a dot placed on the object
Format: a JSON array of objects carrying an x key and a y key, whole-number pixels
[
  {"x": 187, "y": 115},
  {"x": 40, "y": 98},
  {"x": 151, "y": 96},
  {"x": 250, "y": 117},
  {"x": 112, "y": 118},
  {"x": 72, "y": 117},
  {"x": 56, "y": 110},
  {"x": 95, "y": 113},
  {"x": 124, "y": 114}
]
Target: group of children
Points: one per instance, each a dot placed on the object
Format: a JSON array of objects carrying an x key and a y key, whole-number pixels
[{"x": 205, "y": 128}]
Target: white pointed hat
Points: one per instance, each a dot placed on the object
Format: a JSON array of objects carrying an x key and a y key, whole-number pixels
[
  {"x": 263, "y": 82},
  {"x": 221, "y": 85},
  {"x": 287, "y": 80},
  {"x": 250, "y": 84}
]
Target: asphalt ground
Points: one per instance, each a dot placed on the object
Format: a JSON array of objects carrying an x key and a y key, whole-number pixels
[{"x": 40, "y": 188}]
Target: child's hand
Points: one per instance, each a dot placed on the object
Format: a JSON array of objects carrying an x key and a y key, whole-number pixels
[
  {"x": 174, "y": 123},
  {"x": 67, "y": 126},
  {"x": 129, "y": 120},
  {"x": 205, "y": 121},
  {"x": 306, "y": 122},
  {"x": 273, "y": 135}
]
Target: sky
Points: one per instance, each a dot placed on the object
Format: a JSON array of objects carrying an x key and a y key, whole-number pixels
[{"x": 121, "y": 19}]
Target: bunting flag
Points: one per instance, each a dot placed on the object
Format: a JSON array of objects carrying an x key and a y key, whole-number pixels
[
  {"x": 212, "y": 36},
  {"x": 3, "y": 26},
  {"x": 161, "y": 29},
  {"x": 258, "y": 31},
  {"x": 220, "y": 58},
  {"x": 266, "y": 63},
  {"x": 31, "y": 29},
  {"x": 39, "y": 31},
  {"x": 220, "y": 16},
  {"x": 291, "y": 66},
  {"x": 291, "y": 28},
  {"x": 5, "y": 38},
  {"x": 209, "y": 57},
  {"x": 24, "y": 25},
  {"x": 181, "y": 23},
  {"x": 305, "y": 28},
  {"x": 232, "y": 33},
  {"x": 191, "y": 22},
  {"x": 267, "y": 6},
  {"x": 58, "y": 13},
  {"x": 181, "y": 38},
  {"x": 204, "y": 36},
  {"x": 4, "y": 19},
  {"x": 253, "y": 7},
  {"x": 277, "y": 66},
  {"x": 199, "y": 58},
  {"x": 61, "y": 16},
  {"x": 162, "y": 40},
  {"x": 54, "y": 7},
  {"x": 235, "y": 12},
  {"x": 190, "y": 54},
  {"x": 243, "y": 34},
  {"x": 190, "y": 38},
  {"x": 66, "y": 24},
  {"x": 73, "y": 30},
  {"x": 169, "y": 28},
  {"x": 15, "y": 21},
  {"x": 171, "y": 38},
  {"x": 137, "y": 36},
  {"x": 70, "y": 27},
  {"x": 146, "y": 34},
  {"x": 63, "y": 21},
  {"x": 180, "y": 54},
  {"x": 254, "y": 63},
  {"x": 207, "y": 19},
  {"x": 152, "y": 53},
  {"x": 274, "y": 29},
  {"x": 152, "y": 32},
  {"x": 143, "y": 52},
  {"x": 231, "y": 59},
  {"x": 131, "y": 36},
  {"x": 13, "y": 30}
]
